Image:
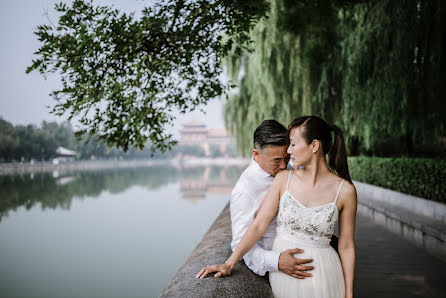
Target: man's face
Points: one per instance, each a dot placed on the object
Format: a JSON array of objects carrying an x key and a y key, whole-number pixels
[{"x": 272, "y": 159}]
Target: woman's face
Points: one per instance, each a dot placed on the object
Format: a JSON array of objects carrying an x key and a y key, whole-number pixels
[{"x": 300, "y": 152}]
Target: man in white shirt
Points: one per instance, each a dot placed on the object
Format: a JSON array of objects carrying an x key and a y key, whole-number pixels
[{"x": 269, "y": 157}]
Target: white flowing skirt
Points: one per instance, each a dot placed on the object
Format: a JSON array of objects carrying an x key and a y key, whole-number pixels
[{"x": 327, "y": 280}]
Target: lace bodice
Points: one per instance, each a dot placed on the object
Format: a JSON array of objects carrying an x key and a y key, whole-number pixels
[{"x": 314, "y": 225}]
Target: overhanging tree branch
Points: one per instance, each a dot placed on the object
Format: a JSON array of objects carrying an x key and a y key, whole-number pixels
[{"x": 123, "y": 77}]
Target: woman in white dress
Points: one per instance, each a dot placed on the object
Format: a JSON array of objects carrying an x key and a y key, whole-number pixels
[{"x": 308, "y": 201}]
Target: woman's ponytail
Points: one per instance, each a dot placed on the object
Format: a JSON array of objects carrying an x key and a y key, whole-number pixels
[{"x": 337, "y": 156}]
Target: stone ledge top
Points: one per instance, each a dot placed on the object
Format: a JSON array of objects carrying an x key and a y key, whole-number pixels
[{"x": 213, "y": 248}]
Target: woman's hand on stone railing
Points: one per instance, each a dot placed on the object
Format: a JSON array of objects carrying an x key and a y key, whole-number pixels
[{"x": 222, "y": 270}]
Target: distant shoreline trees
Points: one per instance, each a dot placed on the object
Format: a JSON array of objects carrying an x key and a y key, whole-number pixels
[{"x": 23, "y": 143}]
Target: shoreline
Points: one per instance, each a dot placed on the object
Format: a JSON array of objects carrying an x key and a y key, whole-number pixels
[{"x": 89, "y": 165}]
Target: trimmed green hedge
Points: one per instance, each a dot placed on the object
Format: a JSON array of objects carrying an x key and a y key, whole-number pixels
[{"x": 421, "y": 177}]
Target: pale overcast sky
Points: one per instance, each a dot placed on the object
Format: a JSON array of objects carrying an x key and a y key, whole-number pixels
[{"x": 24, "y": 97}]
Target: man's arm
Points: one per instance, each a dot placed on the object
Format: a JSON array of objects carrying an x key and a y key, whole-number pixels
[
  {"x": 243, "y": 209},
  {"x": 258, "y": 259}
]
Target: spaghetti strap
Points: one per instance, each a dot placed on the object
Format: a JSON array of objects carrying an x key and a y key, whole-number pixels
[
  {"x": 288, "y": 182},
  {"x": 339, "y": 189}
]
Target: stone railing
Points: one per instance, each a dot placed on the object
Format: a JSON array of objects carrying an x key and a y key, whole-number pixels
[
  {"x": 422, "y": 222},
  {"x": 215, "y": 248}
]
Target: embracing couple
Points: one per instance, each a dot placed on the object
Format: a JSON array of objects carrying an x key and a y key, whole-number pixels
[{"x": 283, "y": 220}]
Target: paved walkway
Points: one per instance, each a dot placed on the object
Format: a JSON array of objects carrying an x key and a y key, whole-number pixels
[{"x": 389, "y": 266}]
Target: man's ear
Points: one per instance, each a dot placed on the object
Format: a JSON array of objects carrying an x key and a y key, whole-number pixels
[{"x": 255, "y": 154}]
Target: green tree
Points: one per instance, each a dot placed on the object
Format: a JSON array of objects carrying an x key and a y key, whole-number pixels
[
  {"x": 375, "y": 68},
  {"x": 34, "y": 143},
  {"x": 8, "y": 140},
  {"x": 123, "y": 77},
  {"x": 62, "y": 133}
]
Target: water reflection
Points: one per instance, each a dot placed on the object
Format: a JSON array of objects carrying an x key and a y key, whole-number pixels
[
  {"x": 59, "y": 189},
  {"x": 105, "y": 233},
  {"x": 195, "y": 183}
]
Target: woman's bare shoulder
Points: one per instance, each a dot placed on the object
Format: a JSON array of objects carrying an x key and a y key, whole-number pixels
[
  {"x": 349, "y": 188},
  {"x": 283, "y": 175},
  {"x": 348, "y": 193},
  {"x": 281, "y": 178}
]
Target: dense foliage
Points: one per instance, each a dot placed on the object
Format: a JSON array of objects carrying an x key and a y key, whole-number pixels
[
  {"x": 422, "y": 177},
  {"x": 30, "y": 142},
  {"x": 375, "y": 68},
  {"x": 122, "y": 77}
]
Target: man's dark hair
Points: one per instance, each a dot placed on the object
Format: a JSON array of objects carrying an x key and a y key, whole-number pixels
[{"x": 270, "y": 133}]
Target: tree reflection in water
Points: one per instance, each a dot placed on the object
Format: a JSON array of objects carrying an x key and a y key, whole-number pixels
[{"x": 57, "y": 190}]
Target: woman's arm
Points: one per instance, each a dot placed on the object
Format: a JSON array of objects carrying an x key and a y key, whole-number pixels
[
  {"x": 255, "y": 231},
  {"x": 346, "y": 244}
]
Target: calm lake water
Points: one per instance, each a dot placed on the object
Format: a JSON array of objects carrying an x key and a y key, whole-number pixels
[
  {"x": 126, "y": 232},
  {"x": 108, "y": 233}
]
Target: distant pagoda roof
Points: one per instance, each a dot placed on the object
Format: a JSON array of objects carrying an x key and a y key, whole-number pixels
[
  {"x": 194, "y": 123},
  {"x": 217, "y": 132},
  {"x": 194, "y": 127}
]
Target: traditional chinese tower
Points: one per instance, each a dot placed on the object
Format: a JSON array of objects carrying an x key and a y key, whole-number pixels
[{"x": 194, "y": 133}]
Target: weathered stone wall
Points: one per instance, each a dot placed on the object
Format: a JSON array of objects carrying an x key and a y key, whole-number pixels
[
  {"x": 215, "y": 248},
  {"x": 421, "y": 222}
]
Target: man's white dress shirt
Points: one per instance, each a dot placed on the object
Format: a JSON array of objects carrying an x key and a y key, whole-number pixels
[{"x": 246, "y": 198}]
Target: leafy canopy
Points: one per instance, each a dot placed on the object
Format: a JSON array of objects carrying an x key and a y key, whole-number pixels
[{"x": 123, "y": 77}]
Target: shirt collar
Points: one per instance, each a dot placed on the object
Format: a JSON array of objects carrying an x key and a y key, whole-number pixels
[{"x": 258, "y": 170}]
